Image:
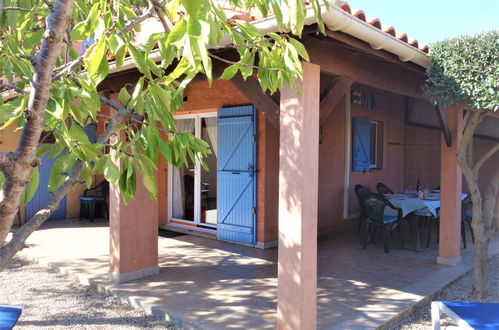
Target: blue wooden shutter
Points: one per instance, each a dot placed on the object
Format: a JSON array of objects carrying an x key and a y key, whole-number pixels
[
  {"x": 91, "y": 129},
  {"x": 42, "y": 195},
  {"x": 361, "y": 144},
  {"x": 236, "y": 174}
]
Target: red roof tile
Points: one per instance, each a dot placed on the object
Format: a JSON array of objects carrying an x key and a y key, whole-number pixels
[{"x": 377, "y": 24}]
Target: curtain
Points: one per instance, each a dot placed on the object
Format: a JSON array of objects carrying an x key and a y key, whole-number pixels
[
  {"x": 183, "y": 125},
  {"x": 211, "y": 127}
]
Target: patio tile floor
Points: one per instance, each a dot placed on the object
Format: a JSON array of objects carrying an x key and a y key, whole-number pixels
[{"x": 204, "y": 283}]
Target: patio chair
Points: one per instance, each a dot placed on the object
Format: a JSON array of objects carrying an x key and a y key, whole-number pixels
[
  {"x": 93, "y": 197},
  {"x": 375, "y": 206},
  {"x": 466, "y": 216},
  {"x": 360, "y": 191},
  {"x": 9, "y": 316},
  {"x": 467, "y": 315},
  {"x": 383, "y": 189}
]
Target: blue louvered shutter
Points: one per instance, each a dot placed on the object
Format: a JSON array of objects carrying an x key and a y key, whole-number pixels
[
  {"x": 236, "y": 174},
  {"x": 361, "y": 144},
  {"x": 42, "y": 195},
  {"x": 90, "y": 129}
]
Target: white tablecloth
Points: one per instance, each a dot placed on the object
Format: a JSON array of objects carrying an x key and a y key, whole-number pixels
[{"x": 410, "y": 204}]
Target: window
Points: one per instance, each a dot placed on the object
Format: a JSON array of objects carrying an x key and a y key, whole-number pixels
[{"x": 367, "y": 145}]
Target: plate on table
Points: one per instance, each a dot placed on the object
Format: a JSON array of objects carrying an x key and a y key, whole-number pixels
[{"x": 432, "y": 199}]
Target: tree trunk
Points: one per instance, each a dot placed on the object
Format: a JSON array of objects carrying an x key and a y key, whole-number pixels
[
  {"x": 483, "y": 205},
  {"x": 480, "y": 287},
  {"x": 17, "y": 169}
]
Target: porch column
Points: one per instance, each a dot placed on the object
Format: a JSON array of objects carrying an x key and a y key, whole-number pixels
[
  {"x": 298, "y": 198},
  {"x": 133, "y": 251},
  {"x": 451, "y": 190}
]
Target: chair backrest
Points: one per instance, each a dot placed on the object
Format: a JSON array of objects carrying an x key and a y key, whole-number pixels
[
  {"x": 360, "y": 191},
  {"x": 466, "y": 204},
  {"x": 100, "y": 190},
  {"x": 383, "y": 189},
  {"x": 374, "y": 204},
  {"x": 104, "y": 185}
]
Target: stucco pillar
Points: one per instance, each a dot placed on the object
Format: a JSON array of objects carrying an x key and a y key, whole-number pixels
[
  {"x": 451, "y": 190},
  {"x": 133, "y": 251},
  {"x": 298, "y": 198}
]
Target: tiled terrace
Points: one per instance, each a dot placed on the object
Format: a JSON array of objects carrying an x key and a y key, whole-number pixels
[{"x": 211, "y": 284}]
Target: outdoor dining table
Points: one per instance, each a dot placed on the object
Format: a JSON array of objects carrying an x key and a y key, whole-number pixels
[{"x": 409, "y": 203}]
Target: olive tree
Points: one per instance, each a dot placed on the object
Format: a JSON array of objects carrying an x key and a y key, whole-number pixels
[
  {"x": 56, "y": 88},
  {"x": 465, "y": 70}
]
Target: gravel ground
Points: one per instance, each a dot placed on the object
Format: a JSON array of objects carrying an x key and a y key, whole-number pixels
[
  {"x": 55, "y": 301},
  {"x": 458, "y": 291}
]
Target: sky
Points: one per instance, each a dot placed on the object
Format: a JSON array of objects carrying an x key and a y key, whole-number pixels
[{"x": 433, "y": 20}]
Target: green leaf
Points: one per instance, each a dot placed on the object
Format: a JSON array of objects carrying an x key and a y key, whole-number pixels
[
  {"x": 42, "y": 150},
  {"x": 192, "y": 7},
  {"x": 124, "y": 96},
  {"x": 78, "y": 134},
  {"x": 111, "y": 171},
  {"x": 139, "y": 58},
  {"x": 120, "y": 56},
  {"x": 60, "y": 170},
  {"x": 33, "y": 182},
  {"x": 229, "y": 72},
  {"x": 300, "y": 49},
  {"x": 136, "y": 93},
  {"x": 97, "y": 65},
  {"x": 86, "y": 175}
]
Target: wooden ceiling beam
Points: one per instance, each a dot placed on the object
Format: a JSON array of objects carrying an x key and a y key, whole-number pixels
[
  {"x": 263, "y": 102},
  {"x": 336, "y": 60},
  {"x": 444, "y": 126},
  {"x": 334, "y": 96}
]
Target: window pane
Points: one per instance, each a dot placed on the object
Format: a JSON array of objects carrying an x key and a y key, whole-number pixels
[
  {"x": 209, "y": 134},
  {"x": 183, "y": 181}
]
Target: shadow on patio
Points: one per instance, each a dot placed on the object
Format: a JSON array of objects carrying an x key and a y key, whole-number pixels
[{"x": 213, "y": 284}]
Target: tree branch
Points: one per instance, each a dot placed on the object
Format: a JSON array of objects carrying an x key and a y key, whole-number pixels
[
  {"x": 13, "y": 8},
  {"x": 158, "y": 8},
  {"x": 14, "y": 87},
  {"x": 221, "y": 59},
  {"x": 31, "y": 58},
  {"x": 484, "y": 158},
  {"x": 471, "y": 179},
  {"x": 17, "y": 174},
  {"x": 16, "y": 244},
  {"x": 139, "y": 19}
]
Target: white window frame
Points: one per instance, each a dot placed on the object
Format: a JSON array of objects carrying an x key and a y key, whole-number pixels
[
  {"x": 376, "y": 148},
  {"x": 197, "y": 177}
]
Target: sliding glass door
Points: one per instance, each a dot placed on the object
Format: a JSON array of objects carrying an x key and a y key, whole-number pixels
[{"x": 192, "y": 190}]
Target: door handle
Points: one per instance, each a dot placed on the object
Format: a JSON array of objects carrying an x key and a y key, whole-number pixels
[{"x": 236, "y": 172}]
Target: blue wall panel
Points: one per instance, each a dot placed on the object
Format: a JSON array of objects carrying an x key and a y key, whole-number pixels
[
  {"x": 236, "y": 174},
  {"x": 42, "y": 195}
]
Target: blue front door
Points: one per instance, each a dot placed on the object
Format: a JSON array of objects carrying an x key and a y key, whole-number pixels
[
  {"x": 42, "y": 195},
  {"x": 236, "y": 174}
]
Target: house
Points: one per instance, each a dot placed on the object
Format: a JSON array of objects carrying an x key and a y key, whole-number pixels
[{"x": 284, "y": 166}]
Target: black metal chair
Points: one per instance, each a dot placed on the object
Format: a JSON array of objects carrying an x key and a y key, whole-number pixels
[
  {"x": 466, "y": 216},
  {"x": 383, "y": 189},
  {"x": 360, "y": 191},
  {"x": 375, "y": 206},
  {"x": 93, "y": 197}
]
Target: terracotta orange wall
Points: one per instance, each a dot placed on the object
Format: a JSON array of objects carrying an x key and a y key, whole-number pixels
[
  {"x": 422, "y": 157},
  {"x": 332, "y": 167},
  {"x": 392, "y": 117},
  {"x": 268, "y": 180}
]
